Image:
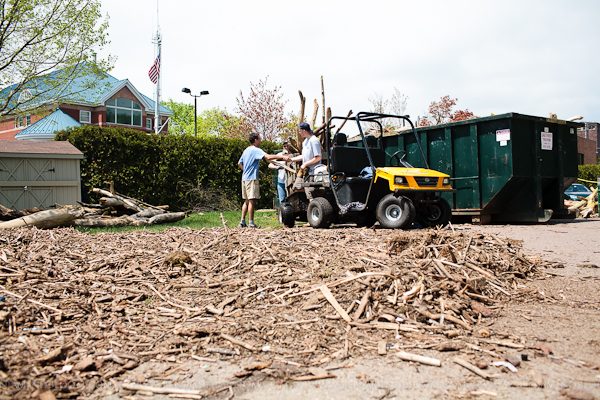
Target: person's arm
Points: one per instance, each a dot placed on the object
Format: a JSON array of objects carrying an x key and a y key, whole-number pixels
[
  {"x": 241, "y": 166},
  {"x": 281, "y": 157},
  {"x": 297, "y": 158},
  {"x": 273, "y": 166},
  {"x": 310, "y": 162}
]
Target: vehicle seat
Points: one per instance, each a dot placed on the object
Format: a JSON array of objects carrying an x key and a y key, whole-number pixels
[
  {"x": 352, "y": 160},
  {"x": 340, "y": 139}
]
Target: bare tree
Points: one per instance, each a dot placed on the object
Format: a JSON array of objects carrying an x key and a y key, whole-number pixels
[{"x": 396, "y": 105}]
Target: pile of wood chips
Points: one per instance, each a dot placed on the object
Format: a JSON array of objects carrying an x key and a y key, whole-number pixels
[{"x": 79, "y": 309}]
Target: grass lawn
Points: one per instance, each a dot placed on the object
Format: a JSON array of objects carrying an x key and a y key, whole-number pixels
[{"x": 262, "y": 218}]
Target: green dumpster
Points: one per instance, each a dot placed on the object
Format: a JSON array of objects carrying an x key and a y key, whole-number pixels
[{"x": 505, "y": 168}]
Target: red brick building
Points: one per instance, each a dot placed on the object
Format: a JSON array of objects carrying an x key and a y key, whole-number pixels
[
  {"x": 111, "y": 102},
  {"x": 590, "y": 131}
]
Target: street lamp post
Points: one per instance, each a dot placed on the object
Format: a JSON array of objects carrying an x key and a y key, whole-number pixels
[{"x": 188, "y": 91}]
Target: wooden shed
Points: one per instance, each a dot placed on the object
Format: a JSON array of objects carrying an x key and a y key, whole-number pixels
[{"x": 39, "y": 174}]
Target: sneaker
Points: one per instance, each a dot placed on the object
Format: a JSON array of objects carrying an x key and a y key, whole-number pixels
[
  {"x": 242, "y": 224},
  {"x": 252, "y": 225}
]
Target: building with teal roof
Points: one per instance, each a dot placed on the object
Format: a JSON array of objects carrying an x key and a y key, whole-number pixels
[{"x": 95, "y": 98}]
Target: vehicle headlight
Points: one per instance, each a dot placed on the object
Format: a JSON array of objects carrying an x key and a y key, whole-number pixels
[
  {"x": 399, "y": 180},
  {"x": 446, "y": 181}
]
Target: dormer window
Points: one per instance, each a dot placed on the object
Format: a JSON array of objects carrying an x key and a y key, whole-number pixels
[
  {"x": 123, "y": 112},
  {"x": 24, "y": 96}
]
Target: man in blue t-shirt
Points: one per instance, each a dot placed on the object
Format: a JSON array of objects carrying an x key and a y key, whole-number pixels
[{"x": 249, "y": 163}]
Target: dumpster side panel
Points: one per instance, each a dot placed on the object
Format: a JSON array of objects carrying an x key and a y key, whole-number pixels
[
  {"x": 495, "y": 157},
  {"x": 465, "y": 176}
]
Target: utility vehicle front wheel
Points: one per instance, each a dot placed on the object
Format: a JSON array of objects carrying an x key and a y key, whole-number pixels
[
  {"x": 395, "y": 212},
  {"x": 319, "y": 213},
  {"x": 286, "y": 215},
  {"x": 433, "y": 214}
]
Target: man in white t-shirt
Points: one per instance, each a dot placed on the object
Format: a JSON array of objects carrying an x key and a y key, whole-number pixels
[{"x": 311, "y": 154}]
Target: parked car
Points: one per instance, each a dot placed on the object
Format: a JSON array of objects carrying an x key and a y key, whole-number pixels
[{"x": 577, "y": 191}]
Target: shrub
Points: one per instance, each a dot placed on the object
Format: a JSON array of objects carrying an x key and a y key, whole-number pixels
[
  {"x": 589, "y": 172},
  {"x": 161, "y": 169}
]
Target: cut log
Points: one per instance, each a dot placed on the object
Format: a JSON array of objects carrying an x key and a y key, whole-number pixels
[
  {"x": 149, "y": 213},
  {"x": 45, "y": 219},
  {"x": 102, "y": 222},
  {"x": 300, "y": 120},
  {"x": 116, "y": 196},
  {"x": 314, "y": 116},
  {"x": 6, "y": 214},
  {"x": 323, "y": 98},
  {"x": 164, "y": 218},
  {"x": 117, "y": 203},
  {"x": 139, "y": 202}
]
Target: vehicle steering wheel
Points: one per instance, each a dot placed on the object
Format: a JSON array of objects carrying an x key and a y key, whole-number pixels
[{"x": 396, "y": 156}]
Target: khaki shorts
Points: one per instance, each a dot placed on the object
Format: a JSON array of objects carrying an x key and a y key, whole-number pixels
[{"x": 250, "y": 190}]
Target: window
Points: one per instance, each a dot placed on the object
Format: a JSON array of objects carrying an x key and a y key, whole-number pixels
[
  {"x": 20, "y": 122},
  {"x": 123, "y": 112},
  {"x": 85, "y": 117},
  {"x": 149, "y": 123}
]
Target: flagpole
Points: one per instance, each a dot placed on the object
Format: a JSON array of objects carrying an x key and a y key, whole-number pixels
[{"x": 157, "y": 119}]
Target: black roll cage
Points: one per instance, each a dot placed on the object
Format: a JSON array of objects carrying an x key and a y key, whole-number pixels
[{"x": 365, "y": 116}]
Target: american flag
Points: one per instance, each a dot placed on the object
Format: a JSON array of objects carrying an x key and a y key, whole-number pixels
[{"x": 155, "y": 70}]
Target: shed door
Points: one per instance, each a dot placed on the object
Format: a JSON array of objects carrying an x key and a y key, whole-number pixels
[
  {"x": 23, "y": 169},
  {"x": 22, "y": 183},
  {"x": 23, "y": 197}
]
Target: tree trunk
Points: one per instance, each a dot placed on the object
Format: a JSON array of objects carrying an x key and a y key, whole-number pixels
[{"x": 45, "y": 219}]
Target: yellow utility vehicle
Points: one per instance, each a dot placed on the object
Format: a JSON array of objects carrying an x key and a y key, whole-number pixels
[{"x": 367, "y": 183}]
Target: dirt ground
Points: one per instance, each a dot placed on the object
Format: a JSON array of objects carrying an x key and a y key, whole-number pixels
[{"x": 562, "y": 318}]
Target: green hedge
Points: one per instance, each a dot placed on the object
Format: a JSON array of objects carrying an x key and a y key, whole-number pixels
[
  {"x": 157, "y": 169},
  {"x": 589, "y": 172}
]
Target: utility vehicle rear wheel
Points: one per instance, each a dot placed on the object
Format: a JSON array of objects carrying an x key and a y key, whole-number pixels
[
  {"x": 433, "y": 214},
  {"x": 319, "y": 213},
  {"x": 395, "y": 212},
  {"x": 286, "y": 215}
]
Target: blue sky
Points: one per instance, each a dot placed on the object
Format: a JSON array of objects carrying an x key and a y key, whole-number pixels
[{"x": 530, "y": 57}]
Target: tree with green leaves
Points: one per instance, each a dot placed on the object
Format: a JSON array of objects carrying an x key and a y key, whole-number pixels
[
  {"x": 182, "y": 120},
  {"x": 211, "y": 122},
  {"x": 44, "y": 46}
]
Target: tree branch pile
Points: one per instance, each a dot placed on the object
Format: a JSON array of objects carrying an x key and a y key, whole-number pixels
[
  {"x": 79, "y": 309},
  {"x": 114, "y": 210},
  {"x": 586, "y": 207}
]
